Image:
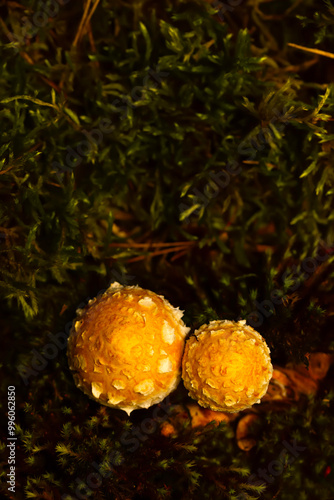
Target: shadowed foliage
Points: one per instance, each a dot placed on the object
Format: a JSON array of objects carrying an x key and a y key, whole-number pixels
[{"x": 185, "y": 147}]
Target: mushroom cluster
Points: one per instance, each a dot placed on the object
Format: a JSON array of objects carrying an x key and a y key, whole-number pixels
[{"x": 125, "y": 348}]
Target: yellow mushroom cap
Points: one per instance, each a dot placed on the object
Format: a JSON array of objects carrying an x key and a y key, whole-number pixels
[
  {"x": 226, "y": 366},
  {"x": 125, "y": 348}
]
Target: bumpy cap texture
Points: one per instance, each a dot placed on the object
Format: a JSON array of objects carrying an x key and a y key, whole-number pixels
[
  {"x": 226, "y": 366},
  {"x": 125, "y": 348}
]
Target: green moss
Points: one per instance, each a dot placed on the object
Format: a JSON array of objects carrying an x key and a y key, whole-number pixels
[{"x": 173, "y": 123}]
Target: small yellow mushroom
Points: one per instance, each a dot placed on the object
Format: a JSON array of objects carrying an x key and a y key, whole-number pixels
[{"x": 226, "y": 366}]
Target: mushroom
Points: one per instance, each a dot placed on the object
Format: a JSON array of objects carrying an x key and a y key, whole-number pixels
[
  {"x": 125, "y": 348},
  {"x": 226, "y": 366}
]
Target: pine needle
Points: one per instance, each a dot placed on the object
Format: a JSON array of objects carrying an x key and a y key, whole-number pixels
[{"x": 313, "y": 51}]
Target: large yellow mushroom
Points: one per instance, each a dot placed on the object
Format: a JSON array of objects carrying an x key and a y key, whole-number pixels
[{"x": 125, "y": 348}]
